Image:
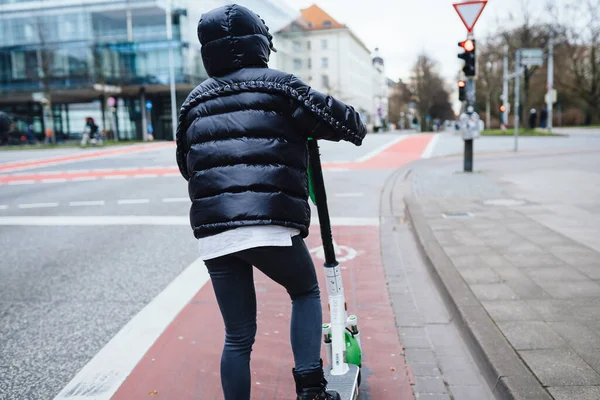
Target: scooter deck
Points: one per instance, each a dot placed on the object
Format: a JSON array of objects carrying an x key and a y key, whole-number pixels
[{"x": 346, "y": 385}]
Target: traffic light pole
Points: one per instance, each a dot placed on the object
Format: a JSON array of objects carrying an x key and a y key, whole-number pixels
[{"x": 471, "y": 98}]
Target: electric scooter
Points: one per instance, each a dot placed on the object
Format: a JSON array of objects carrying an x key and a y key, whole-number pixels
[{"x": 341, "y": 336}]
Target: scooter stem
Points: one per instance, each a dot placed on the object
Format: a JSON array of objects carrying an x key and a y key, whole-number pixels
[{"x": 335, "y": 288}]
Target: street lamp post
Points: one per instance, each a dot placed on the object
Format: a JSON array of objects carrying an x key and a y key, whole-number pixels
[{"x": 169, "y": 16}]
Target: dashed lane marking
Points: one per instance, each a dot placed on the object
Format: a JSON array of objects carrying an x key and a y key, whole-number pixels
[
  {"x": 38, "y": 205},
  {"x": 87, "y": 203},
  {"x": 177, "y": 200},
  {"x": 133, "y": 201}
]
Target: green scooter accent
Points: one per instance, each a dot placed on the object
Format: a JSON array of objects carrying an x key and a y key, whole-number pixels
[
  {"x": 353, "y": 353},
  {"x": 311, "y": 190}
]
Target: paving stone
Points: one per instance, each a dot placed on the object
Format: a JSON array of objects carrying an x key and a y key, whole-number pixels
[
  {"x": 425, "y": 369},
  {"x": 592, "y": 271},
  {"x": 493, "y": 291},
  {"x": 461, "y": 363},
  {"x": 577, "y": 309},
  {"x": 525, "y": 288},
  {"x": 410, "y": 331},
  {"x": 416, "y": 342},
  {"x": 529, "y": 335},
  {"x": 494, "y": 260},
  {"x": 575, "y": 393},
  {"x": 470, "y": 260},
  {"x": 557, "y": 274},
  {"x": 590, "y": 356},
  {"x": 577, "y": 335},
  {"x": 436, "y": 396},
  {"x": 462, "y": 378},
  {"x": 468, "y": 393},
  {"x": 409, "y": 319},
  {"x": 588, "y": 258},
  {"x": 510, "y": 310},
  {"x": 521, "y": 259},
  {"x": 419, "y": 356},
  {"x": 425, "y": 384},
  {"x": 560, "y": 367},
  {"x": 565, "y": 290},
  {"x": 479, "y": 275}
]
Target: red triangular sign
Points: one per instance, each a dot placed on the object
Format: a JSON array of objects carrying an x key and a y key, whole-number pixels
[{"x": 469, "y": 12}]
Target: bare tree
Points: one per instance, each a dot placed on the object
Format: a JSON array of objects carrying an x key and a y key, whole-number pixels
[
  {"x": 428, "y": 90},
  {"x": 582, "y": 47},
  {"x": 398, "y": 100}
]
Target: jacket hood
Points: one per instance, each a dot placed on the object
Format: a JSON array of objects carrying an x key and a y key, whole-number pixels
[{"x": 233, "y": 37}]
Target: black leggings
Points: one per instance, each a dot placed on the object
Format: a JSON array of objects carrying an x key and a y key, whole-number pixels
[{"x": 233, "y": 283}]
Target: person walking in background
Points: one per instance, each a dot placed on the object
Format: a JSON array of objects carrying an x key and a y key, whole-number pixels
[
  {"x": 242, "y": 147},
  {"x": 532, "y": 118},
  {"x": 543, "y": 117}
]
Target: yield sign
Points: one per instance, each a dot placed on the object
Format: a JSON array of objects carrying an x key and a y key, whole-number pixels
[{"x": 469, "y": 12}]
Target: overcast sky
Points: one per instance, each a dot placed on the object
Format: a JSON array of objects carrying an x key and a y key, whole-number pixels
[{"x": 403, "y": 28}]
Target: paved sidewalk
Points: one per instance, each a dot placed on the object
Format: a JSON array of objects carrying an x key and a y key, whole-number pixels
[{"x": 517, "y": 247}]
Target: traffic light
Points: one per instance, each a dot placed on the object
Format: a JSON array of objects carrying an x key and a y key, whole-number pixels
[
  {"x": 502, "y": 108},
  {"x": 469, "y": 56},
  {"x": 462, "y": 92}
]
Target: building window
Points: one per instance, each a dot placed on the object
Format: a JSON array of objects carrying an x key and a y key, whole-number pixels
[
  {"x": 309, "y": 63},
  {"x": 308, "y": 44},
  {"x": 327, "y": 24},
  {"x": 325, "y": 81},
  {"x": 297, "y": 64},
  {"x": 323, "y": 43},
  {"x": 324, "y": 62},
  {"x": 297, "y": 46}
]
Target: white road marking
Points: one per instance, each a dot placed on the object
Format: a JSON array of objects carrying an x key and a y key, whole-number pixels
[
  {"x": 115, "y": 177},
  {"x": 38, "y": 205},
  {"x": 177, "y": 200},
  {"x": 380, "y": 149},
  {"x": 430, "y": 146},
  {"x": 358, "y": 194},
  {"x": 54, "y": 180},
  {"x": 86, "y": 203},
  {"x": 105, "y": 373},
  {"x": 133, "y": 201},
  {"x": 155, "y": 220},
  {"x": 84, "y": 178},
  {"x": 23, "y": 182}
]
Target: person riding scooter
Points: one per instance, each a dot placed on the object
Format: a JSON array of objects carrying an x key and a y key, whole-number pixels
[{"x": 242, "y": 147}]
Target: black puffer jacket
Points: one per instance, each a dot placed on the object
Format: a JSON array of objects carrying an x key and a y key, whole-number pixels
[{"x": 242, "y": 133}]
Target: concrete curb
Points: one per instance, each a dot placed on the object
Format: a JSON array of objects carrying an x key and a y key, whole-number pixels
[{"x": 505, "y": 373}]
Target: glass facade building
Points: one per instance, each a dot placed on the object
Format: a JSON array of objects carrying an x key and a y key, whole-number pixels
[{"x": 72, "y": 51}]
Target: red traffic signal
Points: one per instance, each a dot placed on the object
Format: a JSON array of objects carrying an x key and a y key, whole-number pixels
[
  {"x": 502, "y": 108},
  {"x": 468, "y": 45},
  {"x": 461, "y": 84}
]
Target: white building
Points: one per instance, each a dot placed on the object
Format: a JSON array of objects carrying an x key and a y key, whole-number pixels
[{"x": 330, "y": 58}]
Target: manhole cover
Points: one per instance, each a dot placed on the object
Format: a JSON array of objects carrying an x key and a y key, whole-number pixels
[
  {"x": 457, "y": 215},
  {"x": 504, "y": 202}
]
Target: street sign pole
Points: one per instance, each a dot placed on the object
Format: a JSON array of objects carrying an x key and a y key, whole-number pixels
[
  {"x": 517, "y": 94},
  {"x": 505, "y": 88}
]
